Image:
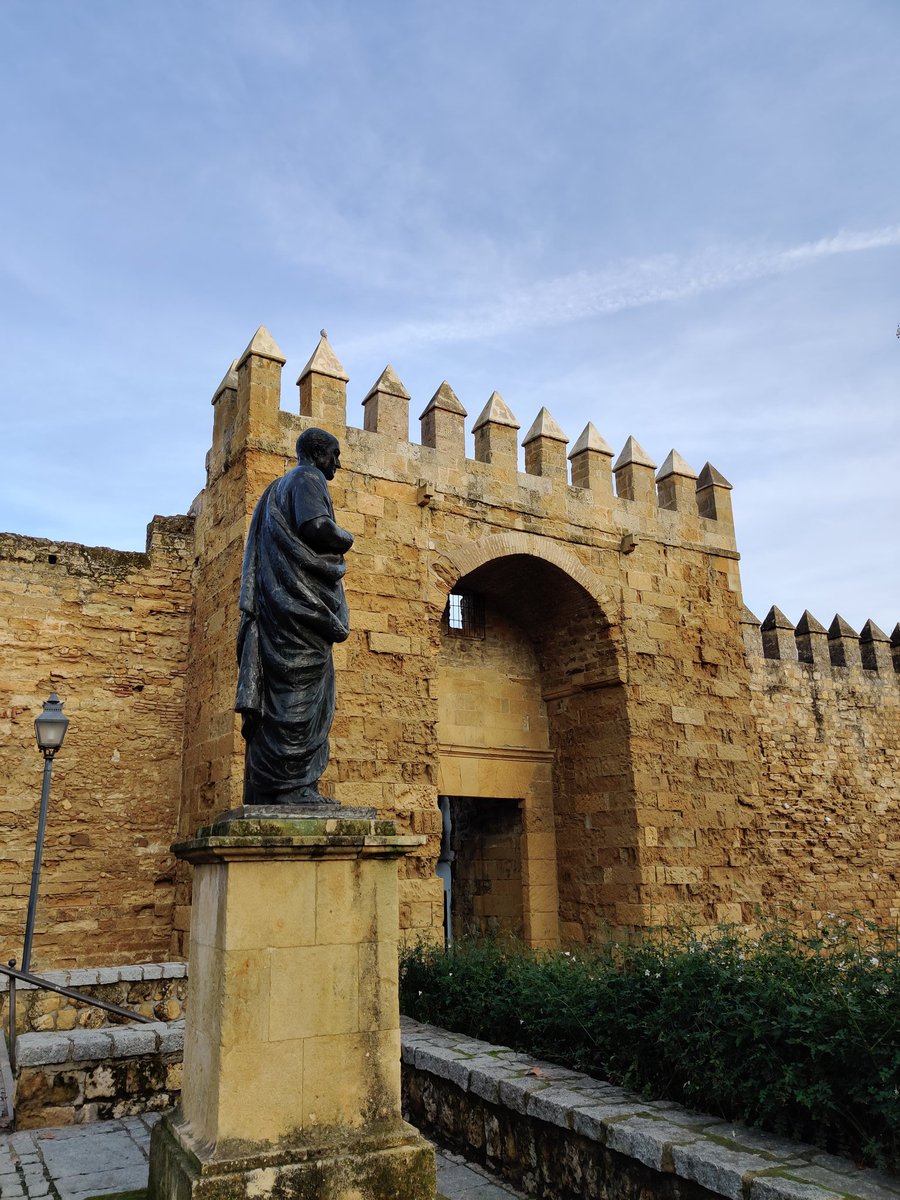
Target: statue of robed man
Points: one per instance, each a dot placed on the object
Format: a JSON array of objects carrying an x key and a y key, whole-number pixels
[{"x": 293, "y": 610}]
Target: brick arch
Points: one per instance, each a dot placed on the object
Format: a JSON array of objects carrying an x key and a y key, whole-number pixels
[{"x": 454, "y": 562}]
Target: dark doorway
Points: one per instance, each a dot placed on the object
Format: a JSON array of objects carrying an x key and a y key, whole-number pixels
[{"x": 485, "y": 843}]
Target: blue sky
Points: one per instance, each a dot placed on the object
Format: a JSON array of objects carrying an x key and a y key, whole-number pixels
[{"x": 680, "y": 221}]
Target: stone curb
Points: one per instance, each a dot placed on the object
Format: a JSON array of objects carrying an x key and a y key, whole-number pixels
[
  {"x": 88, "y": 1045},
  {"x": 93, "y": 976},
  {"x": 729, "y": 1160}
]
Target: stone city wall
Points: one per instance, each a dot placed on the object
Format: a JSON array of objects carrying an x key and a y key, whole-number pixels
[
  {"x": 827, "y": 708},
  {"x": 108, "y": 631}
]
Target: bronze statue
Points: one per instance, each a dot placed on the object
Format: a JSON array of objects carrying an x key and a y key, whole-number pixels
[{"x": 293, "y": 610}]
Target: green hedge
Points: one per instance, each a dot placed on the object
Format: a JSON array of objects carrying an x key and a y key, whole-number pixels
[{"x": 798, "y": 1033}]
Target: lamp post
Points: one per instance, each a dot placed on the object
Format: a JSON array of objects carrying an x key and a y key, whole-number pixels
[{"x": 49, "y": 729}]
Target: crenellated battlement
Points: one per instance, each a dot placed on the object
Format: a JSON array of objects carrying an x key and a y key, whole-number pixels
[
  {"x": 582, "y": 484},
  {"x": 656, "y": 762},
  {"x": 839, "y": 647}
]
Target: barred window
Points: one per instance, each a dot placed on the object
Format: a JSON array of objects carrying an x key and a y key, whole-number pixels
[{"x": 464, "y": 614}]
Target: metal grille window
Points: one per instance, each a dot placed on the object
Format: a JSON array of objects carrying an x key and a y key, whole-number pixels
[{"x": 464, "y": 615}]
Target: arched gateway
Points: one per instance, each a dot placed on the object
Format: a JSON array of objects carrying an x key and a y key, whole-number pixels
[{"x": 530, "y": 724}]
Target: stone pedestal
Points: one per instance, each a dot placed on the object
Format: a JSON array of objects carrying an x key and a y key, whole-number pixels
[{"x": 292, "y": 1041}]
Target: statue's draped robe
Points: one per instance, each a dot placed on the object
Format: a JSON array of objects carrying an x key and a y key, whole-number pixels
[{"x": 292, "y": 611}]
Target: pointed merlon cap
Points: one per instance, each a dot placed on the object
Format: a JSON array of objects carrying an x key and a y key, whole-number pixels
[
  {"x": 808, "y": 624},
  {"x": 710, "y": 477},
  {"x": 262, "y": 345},
  {"x": 748, "y": 617},
  {"x": 871, "y": 633},
  {"x": 446, "y": 400},
  {"x": 544, "y": 426},
  {"x": 775, "y": 619},
  {"x": 675, "y": 465},
  {"x": 229, "y": 381},
  {"x": 840, "y": 629},
  {"x": 388, "y": 383},
  {"x": 324, "y": 361},
  {"x": 496, "y": 412},
  {"x": 634, "y": 454},
  {"x": 895, "y": 636},
  {"x": 591, "y": 440}
]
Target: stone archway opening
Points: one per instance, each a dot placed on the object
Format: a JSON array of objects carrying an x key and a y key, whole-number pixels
[{"x": 532, "y": 713}]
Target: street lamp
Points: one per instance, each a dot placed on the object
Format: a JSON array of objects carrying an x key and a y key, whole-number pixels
[{"x": 49, "y": 729}]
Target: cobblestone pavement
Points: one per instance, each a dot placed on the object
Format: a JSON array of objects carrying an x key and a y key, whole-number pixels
[{"x": 79, "y": 1161}]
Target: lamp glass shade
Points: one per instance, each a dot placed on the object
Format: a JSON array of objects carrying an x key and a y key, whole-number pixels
[{"x": 50, "y": 727}]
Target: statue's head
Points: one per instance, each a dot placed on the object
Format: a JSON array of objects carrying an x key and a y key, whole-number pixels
[{"x": 320, "y": 449}]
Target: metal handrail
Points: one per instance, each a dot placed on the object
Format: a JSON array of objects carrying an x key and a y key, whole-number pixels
[{"x": 48, "y": 985}]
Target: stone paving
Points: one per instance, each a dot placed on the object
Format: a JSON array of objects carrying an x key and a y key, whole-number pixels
[{"x": 76, "y": 1162}]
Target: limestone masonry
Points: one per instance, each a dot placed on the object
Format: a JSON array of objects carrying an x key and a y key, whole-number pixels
[{"x": 563, "y": 658}]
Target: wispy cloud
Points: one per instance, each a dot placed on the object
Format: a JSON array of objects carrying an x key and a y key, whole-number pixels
[{"x": 629, "y": 284}]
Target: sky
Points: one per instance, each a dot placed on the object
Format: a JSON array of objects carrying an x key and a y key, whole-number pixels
[{"x": 679, "y": 221}]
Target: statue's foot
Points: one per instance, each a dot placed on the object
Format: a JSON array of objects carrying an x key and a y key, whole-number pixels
[{"x": 309, "y": 795}]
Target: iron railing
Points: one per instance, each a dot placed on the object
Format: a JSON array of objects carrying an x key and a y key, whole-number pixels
[{"x": 16, "y": 976}]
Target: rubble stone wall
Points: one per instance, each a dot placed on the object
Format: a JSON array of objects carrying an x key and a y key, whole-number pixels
[{"x": 829, "y": 758}]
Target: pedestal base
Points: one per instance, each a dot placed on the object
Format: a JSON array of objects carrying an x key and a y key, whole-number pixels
[
  {"x": 374, "y": 1165},
  {"x": 292, "y": 1042}
]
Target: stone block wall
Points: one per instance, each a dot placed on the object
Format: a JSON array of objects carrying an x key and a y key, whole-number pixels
[
  {"x": 828, "y": 838},
  {"x": 108, "y": 630}
]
